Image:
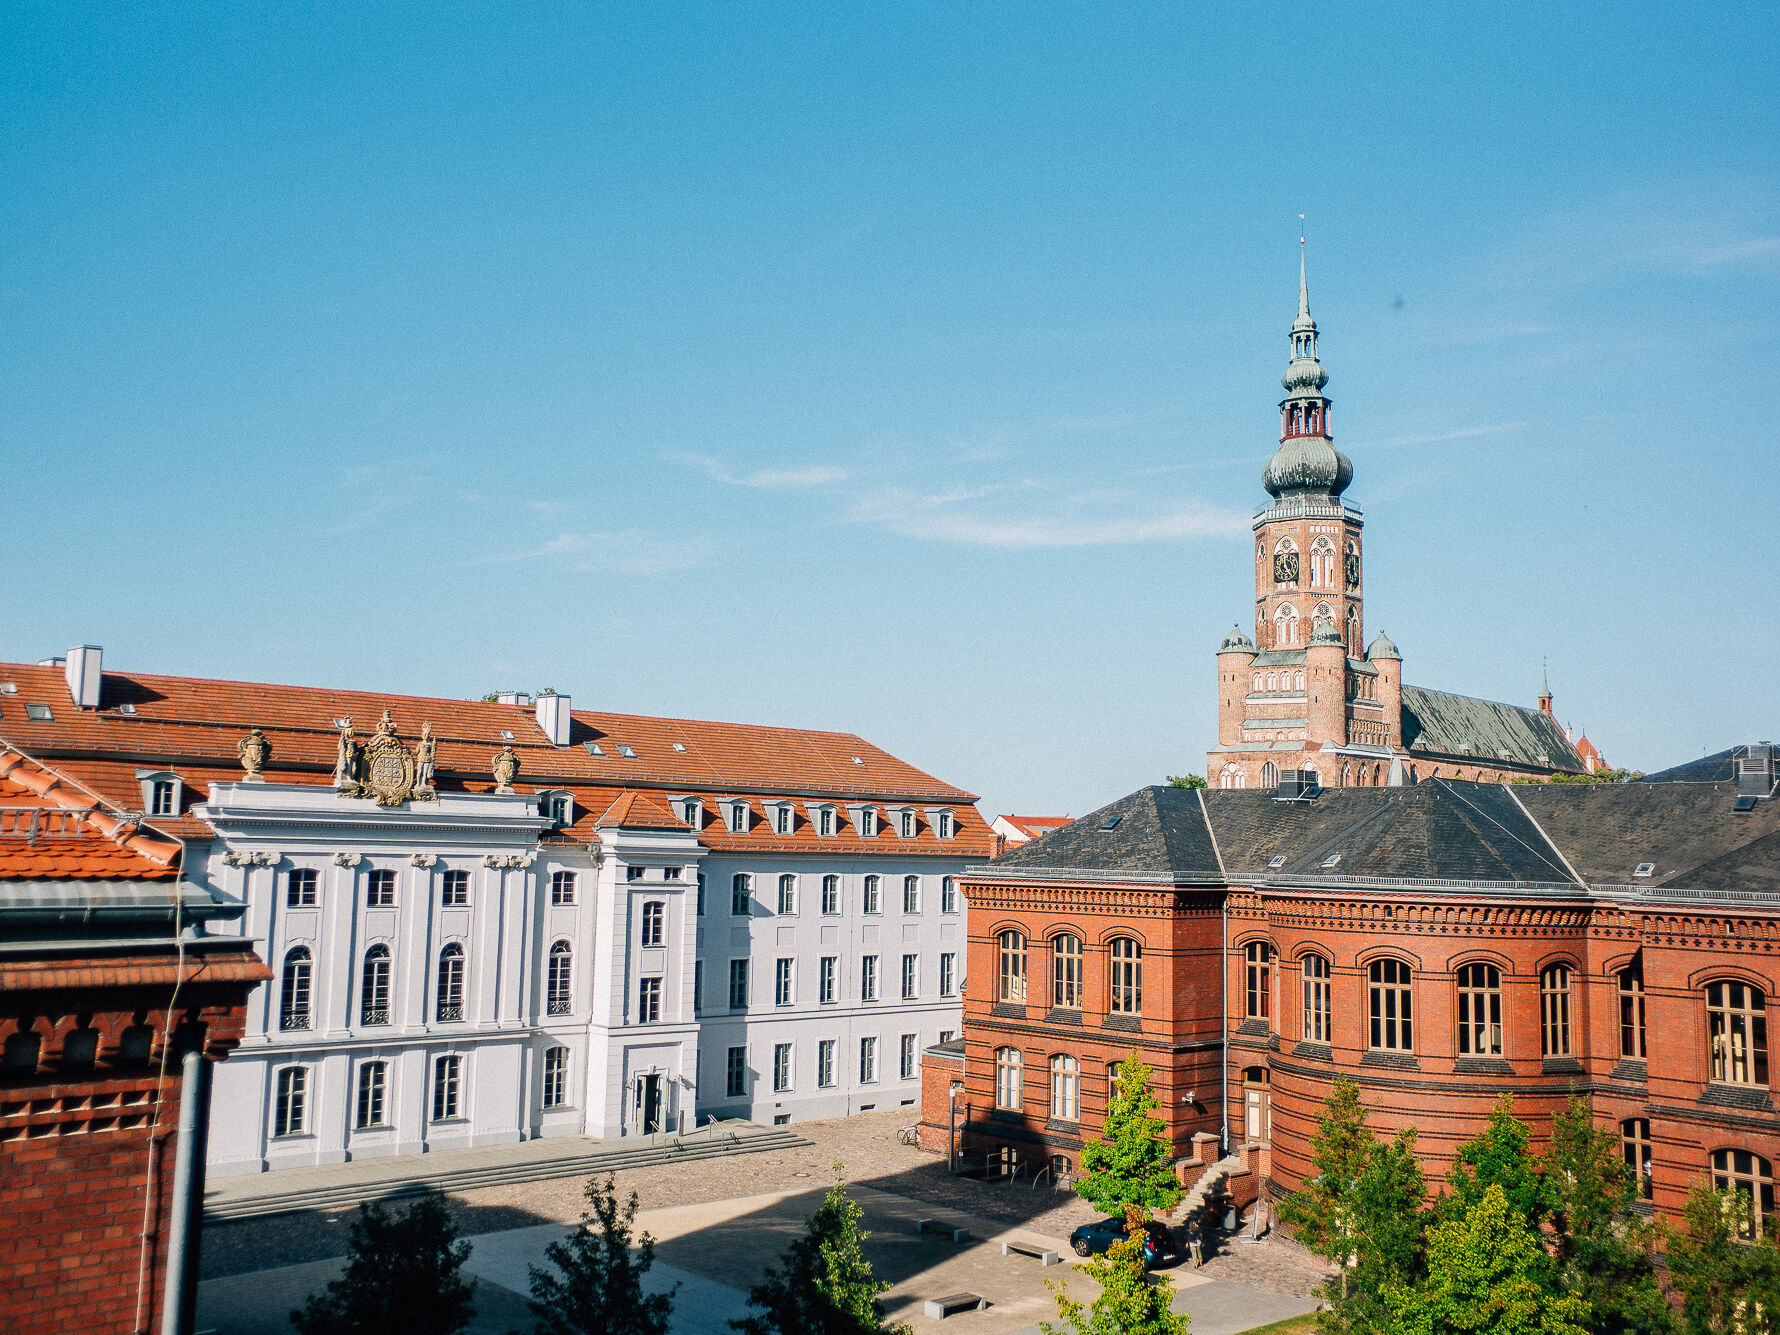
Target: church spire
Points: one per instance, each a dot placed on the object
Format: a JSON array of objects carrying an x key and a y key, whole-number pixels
[
  {"x": 1307, "y": 463},
  {"x": 1303, "y": 287}
]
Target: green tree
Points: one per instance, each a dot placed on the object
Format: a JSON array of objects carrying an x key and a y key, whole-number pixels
[
  {"x": 1392, "y": 1228},
  {"x": 1500, "y": 1155},
  {"x": 600, "y": 1291},
  {"x": 1129, "y": 1165},
  {"x": 1130, "y": 1302},
  {"x": 1485, "y": 1277},
  {"x": 401, "y": 1277},
  {"x": 823, "y": 1284},
  {"x": 1322, "y": 1213},
  {"x": 1603, "y": 1246},
  {"x": 1185, "y": 781},
  {"x": 1727, "y": 1286}
]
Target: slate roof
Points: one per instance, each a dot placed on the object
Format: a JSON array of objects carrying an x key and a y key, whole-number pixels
[
  {"x": 1536, "y": 836},
  {"x": 1465, "y": 728},
  {"x": 1707, "y": 769}
]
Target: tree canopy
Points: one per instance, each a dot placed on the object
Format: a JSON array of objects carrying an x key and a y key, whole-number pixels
[
  {"x": 401, "y": 1276},
  {"x": 1130, "y": 1164},
  {"x": 598, "y": 1287}
]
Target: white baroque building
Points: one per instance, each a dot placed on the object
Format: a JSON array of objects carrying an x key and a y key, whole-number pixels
[{"x": 497, "y": 920}]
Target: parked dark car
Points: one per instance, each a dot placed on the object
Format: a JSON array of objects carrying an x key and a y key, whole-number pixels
[{"x": 1159, "y": 1244}]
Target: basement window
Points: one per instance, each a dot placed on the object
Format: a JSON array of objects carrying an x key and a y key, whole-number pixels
[
  {"x": 1644, "y": 869},
  {"x": 1330, "y": 861},
  {"x": 39, "y": 714}
]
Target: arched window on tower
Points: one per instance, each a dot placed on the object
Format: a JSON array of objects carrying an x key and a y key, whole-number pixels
[
  {"x": 1353, "y": 631},
  {"x": 1269, "y": 776},
  {"x": 1322, "y": 564},
  {"x": 1285, "y": 627}
]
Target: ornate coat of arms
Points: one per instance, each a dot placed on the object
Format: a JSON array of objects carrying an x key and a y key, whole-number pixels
[{"x": 388, "y": 766}]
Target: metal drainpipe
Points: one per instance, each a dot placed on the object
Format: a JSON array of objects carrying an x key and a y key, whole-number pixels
[
  {"x": 1224, "y": 1019},
  {"x": 179, "y": 1292}
]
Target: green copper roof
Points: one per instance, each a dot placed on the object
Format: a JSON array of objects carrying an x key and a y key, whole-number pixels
[
  {"x": 1485, "y": 731},
  {"x": 1381, "y": 647},
  {"x": 1236, "y": 642}
]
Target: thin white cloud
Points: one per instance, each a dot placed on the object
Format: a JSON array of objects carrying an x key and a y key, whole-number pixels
[
  {"x": 629, "y": 551},
  {"x": 1463, "y": 433},
  {"x": 770, "y": 479},
  {"x": 941, "y": 518}
]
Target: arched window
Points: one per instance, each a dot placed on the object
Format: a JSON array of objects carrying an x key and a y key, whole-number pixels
[
  {"x": 1322, "y": 564},
  {"x": 1272, "y": 682},
  {"x": 451, "y": 982},
  {"x": 1737, "y": 1021},
  {"x": 1127, "y": 977},
  {"x": 22, "y": 1053},
  {"x": 1353, "y": 632},
  {"x": 1480, "y": 1010},
  {"x": 1065, "y": 1089},
  {"x": 1258, "y": 976},
  {"x": 1298, "y": 680},
  {"x": 293, "y": 996},
  {"x": 1315, "y": 970},
  {"x": 1751, "y": 1179},
  {"x": 81, "y": 1047},
  {"x": 560, "y": 979},
  {"x": 1634, "y": 1136},
  {"x": 1631, "y": 1011},
  {"x": 1013, "y": 968},
  {"x": 1269, "y": 775},
  {"x": 1554, "y": 1010},
  {"x": 1066, "y": 972},
  {"x": 1390, "y": 1004},
  {"x": 1257, "y": 681},
  {"x": 1285, "y": 626},
  {"x": 1007, "y": 1078},
  {"x": 373, "y": 991},
  {"x": 1344, "y": 773}
]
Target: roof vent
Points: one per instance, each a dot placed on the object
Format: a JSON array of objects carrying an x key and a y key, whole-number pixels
[
  {"x": 1275, "y": 862},
  {"x": 1298, "y": 785},
  {"x": 1330, "y": 861},
  {"x": 1111, "y": 822},
  {"x": 1644, "y": 869},
  {"x": 512, "y": 698},
  {"x": 1756, "y": 769}
]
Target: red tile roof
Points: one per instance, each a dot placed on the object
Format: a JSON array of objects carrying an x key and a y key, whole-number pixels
[
  {"x": 52, "y": 827},
  {"x": 638, "y": 810}
]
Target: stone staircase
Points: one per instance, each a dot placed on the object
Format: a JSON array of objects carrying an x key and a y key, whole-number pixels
[
  {"x": 1210, "y": 1181},
  {"x": 344, "y": 1185}
]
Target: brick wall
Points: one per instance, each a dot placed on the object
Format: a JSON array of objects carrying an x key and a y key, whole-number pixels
[{"x": 939, "y": 1071}]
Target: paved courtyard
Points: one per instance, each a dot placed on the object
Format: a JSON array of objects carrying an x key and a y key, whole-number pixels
[{"x": 719, "y": 1223}]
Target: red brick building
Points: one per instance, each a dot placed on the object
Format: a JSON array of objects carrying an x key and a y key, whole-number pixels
[
  {"x": 1440, "y": 944},
  {"x": 106, "y": 980}
]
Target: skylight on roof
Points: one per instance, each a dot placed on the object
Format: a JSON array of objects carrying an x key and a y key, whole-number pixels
[
  {"x": 857, "y": 761},
  {"x": 1330, "y": 861},
  {"x": 9, "y": 688},
  {"x": 39, "y": 713},
  {"x": 1644, "y": 869},
  {"x": 628, "y": 752},
  {"x": 506, "y": 736},
  {"x": 127, "y": 707},
  {"x": 595, "y": 749},
  {"x": 1111, "y": 822},
  {"x": 341, "y": 722},
  {"x": 1745, "y": 804},
  {"x": 1275, "y": 862},
  {"x": 679, "y": 746}
]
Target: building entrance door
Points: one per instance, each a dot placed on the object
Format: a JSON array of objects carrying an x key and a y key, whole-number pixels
[
  {"x": 649, "y": 1104},
  {"x": 1257, "y": 1105}
]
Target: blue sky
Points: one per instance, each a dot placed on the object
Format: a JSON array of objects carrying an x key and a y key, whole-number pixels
[{"x": 906, "y": 370}]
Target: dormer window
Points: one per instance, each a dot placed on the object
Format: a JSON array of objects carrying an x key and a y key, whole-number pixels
[
  {"x": 825, "y": 820},
  {"x": 162, "y": 792},
  {"x": 905, "y": 822},
  {"x": 782, "y": 818},
  {"x": 942, "y": 823},
  {"x": 557, "y": 808},
  {"x": 738, "y": 817},
  {"x": 692, "y": 812},
  {"x": 868, "y": 822}
]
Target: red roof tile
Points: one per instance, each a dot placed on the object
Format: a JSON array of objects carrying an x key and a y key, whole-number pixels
[{"x": 52, "y": 827}]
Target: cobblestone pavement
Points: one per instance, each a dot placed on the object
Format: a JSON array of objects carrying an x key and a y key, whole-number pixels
[{"x": 866, "y": 1144}]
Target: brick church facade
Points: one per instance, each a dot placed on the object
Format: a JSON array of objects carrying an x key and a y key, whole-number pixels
[
  {"x": 1308, "y": 692},
  {"x": 1415, "y": 923}
]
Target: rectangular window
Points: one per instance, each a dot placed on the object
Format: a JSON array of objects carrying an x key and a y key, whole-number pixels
[
  {"x": 826, "y": 820},
  {"x": 654, "y": 923},
  {"x": 911, "y": 894},
  {"x": 454, "y": 889},
  {"x": 782, "y": 993},
  {"x": 698, "y": 987},
  {"x": 293, "y": 1090},
  {"x": 831, "y": 895},
  {"x": 947, "y": 1035},
  {"x": 735, "y": 1074},
  {"x": 944, "y": 828},
  {"x": 948, "y": 895},
  {"x": 671, "y": 873},
  {"x": 782, "y": 820},
  {"x": 556, "y": 1077},
  {"x": 447, "y": 1072},
  {"x": 781, "y": 1067},
  {"x": 948, "y": 974},
  {"x": 830, "y": 966},
  {"x": 907, "y": 1057},
  {"x": 371, "y": 1078},
  {"x": 738, "y": 985},
  {"x": 1554, "y": 1010},
  {"x": 634, "y": 872},
  {"x": 908, "y": 824},
  {"x": 868, "y": 977},
  {"x": 911, "y": 977},
  {"x": 873, "y": 894},
  {"x": 741, "y": 891},
  {"x": 1737, "y": 1032},
  {"x": 299, "y": 888},
  {"x": 380, "y": 889},
  {"x": 788, "y": 894},
  {"x": 1480, "y": 1010},
  {"x": 701, "y": 894},
  {"x": 825, "y": 1063},
  {"x": 161, "y": 803},
  {"x": 738, "y": 818},
  {"x": 1315, "y": 971},
  {"x": 868, "y": 822},
  {"x": 649, "y": 1001},
  {"x": 868, "y": 1061}
]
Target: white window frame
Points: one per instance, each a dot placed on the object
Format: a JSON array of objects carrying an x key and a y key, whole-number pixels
[{"x": 782, "y": 1059}]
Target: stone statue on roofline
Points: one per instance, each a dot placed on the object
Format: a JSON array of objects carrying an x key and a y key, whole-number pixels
[
  {"x": 254, "y": 750},
  {"x": 425, "y": 753},
  {"x": 346, "y": 760},
  {"x": 506, "y": 769}
]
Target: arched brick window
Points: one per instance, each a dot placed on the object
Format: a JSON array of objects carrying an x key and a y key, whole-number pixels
[
  {"x": 1390, "y": 1005},
  {"x": 1631, "y": 1011},
  {"x": 1480, "y": 1011},
  {"x": 1007, "y": 1078},
  {"x": 1269, "y": 776},
  {"x": 1013, "y": 968},
  {"x": 1126, "y": 972},
  {"x": 1315, "y": 970},
  {"x": 1737, "y": 1025},
  {"x": 1258, "y": 980},
  {"x": 1066, "y": 972},
  {"x": 1065, "y": 1089},
  {"x": 1751, "y": 1179},
  {"x": 1554, "y": 1010}
]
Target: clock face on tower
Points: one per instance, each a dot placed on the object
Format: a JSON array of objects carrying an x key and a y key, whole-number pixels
[
  {"x": 1285, "y": 568},
  {"x": 1353, "y": 570}
]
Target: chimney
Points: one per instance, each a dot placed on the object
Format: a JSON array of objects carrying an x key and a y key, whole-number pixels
[
  {"x": 554, "y": 718},
  {"x": 82, "y": 670}
]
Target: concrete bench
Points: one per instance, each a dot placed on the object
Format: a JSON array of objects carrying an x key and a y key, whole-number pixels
[
  {"x": 1037, "y": 1253},
  {"x": 942, "y": 1228},
  {"x": 941, "y": 1308}
]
